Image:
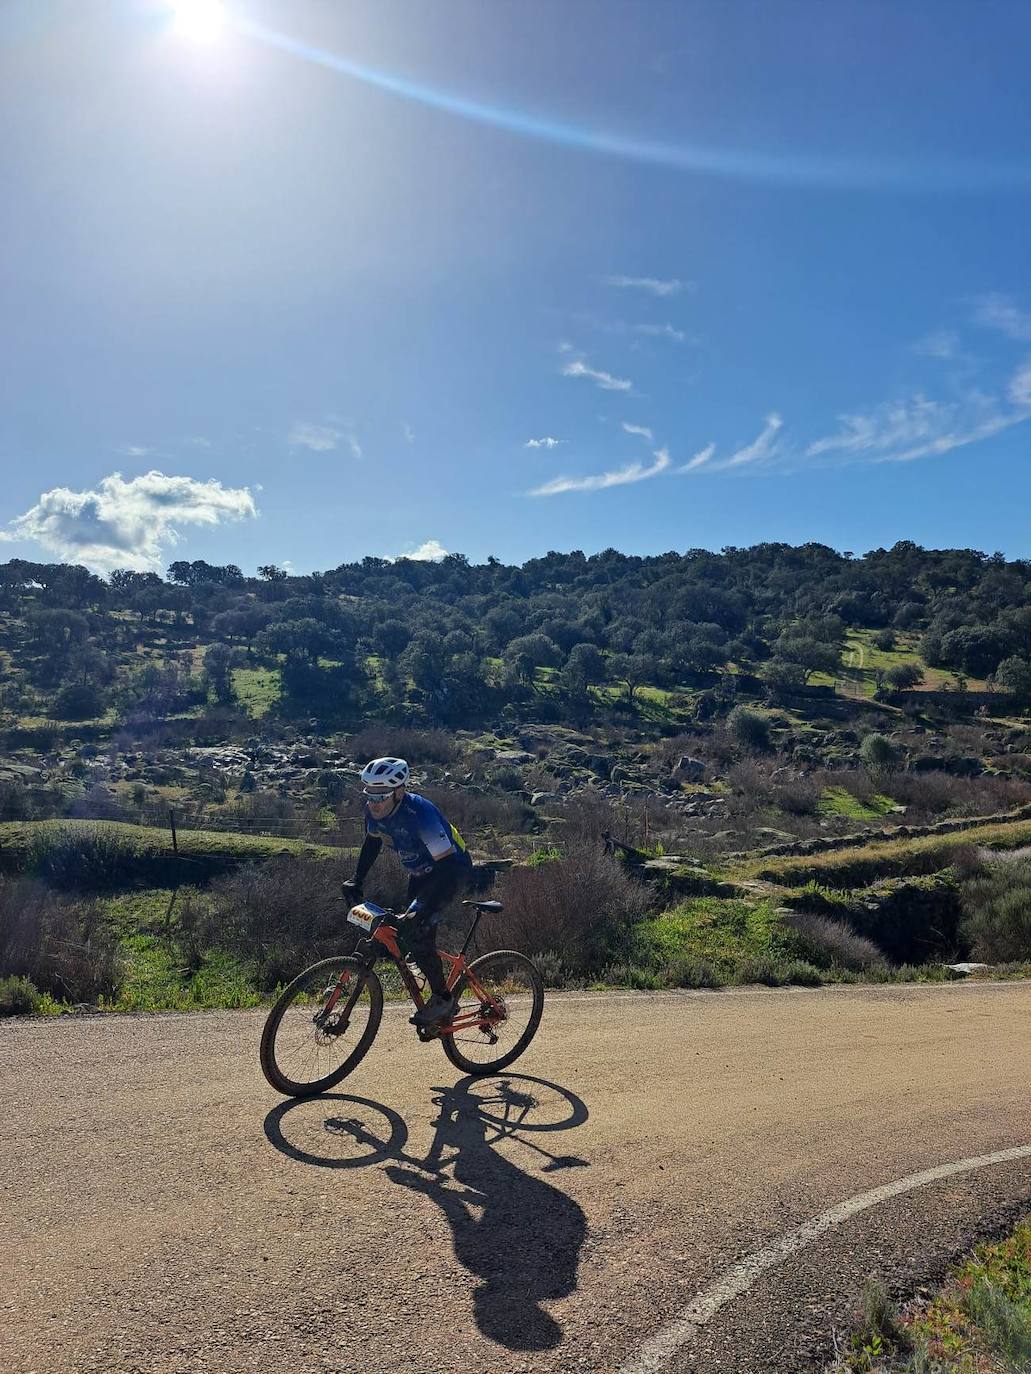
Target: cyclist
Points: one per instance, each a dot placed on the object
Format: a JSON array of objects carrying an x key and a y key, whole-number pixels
[{"x": 434, "y": 855}]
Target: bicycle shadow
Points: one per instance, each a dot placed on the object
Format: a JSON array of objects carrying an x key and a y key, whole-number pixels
[{"x": 517, "y": 1233}]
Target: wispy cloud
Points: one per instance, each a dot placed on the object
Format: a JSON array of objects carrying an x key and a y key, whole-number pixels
[
  {"x": 634, "y": 472},
  {"x": 127, "y": 524},
  {"x": 940, "y": 343},
  {"x": 197, "y": 441},
  {"x": 763, "y": 446},
  {"x": 548, "y": 441},
  {"x": 408, "y": 432},
  {"x": 354, "y": 446},
  {"x": 578, "y": 367},
  {"x": 997, "y": 311},
  {"x": 901, "y": 431},
  {"x": 1020, "y": 386},
  {"x": 318, "y": 438},
  {"x": 134, "y": 450},
  {"x": 655, "y": 286},
  {"x": 642, "y": 431},
  {"x": 659, "y": 331},
  {"x": 698, "y": 461}
]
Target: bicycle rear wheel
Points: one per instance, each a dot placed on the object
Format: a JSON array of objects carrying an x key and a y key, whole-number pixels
[
  {"x": 318, "y": 1031},
  {"x": 508, "y": 992}
]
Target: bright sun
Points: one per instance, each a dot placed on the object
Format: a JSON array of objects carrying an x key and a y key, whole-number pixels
[{"x": 202, "y": 20}]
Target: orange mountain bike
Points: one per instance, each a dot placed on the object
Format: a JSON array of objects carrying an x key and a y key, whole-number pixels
[{"x": 324, "y": 1022}]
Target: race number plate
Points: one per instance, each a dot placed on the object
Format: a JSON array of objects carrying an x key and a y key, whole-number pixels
[{"x": 365, "y": 915}]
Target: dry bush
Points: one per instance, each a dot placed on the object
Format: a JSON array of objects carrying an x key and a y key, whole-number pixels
[
  {"x": 280, "y": 915},
  {"x": 64, "y": 947},
  {"x": 581, "y": 906},
  {"x": 640, "y": 821},
  {"x": 833, "y": 944},
  {"x": 752, "y": 782},
  {"x": 997, "y": 913},
  {"x": 798, "y": 797},
  {"x": 672, "y": 748},
  {"x": 396, "y": 741},
  {"x": 930, "y": 796},
  {"x": 480, "y": 816}
]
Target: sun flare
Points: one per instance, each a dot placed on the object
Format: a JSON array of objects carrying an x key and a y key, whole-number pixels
[{"x": 201, "y": 20}]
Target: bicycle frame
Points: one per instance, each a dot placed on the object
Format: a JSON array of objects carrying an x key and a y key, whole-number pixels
[{"x": 458, "y": 970}]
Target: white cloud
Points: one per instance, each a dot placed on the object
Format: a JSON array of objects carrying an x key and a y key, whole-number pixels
[
  {"x": 996, "y": 311},
  {"x": 408, "y": 432},
  {"x": 635, "y": 472},
  {"x": 547, "y": 442},
  {"x": 198, "y": 441},
  {"x": 432, "y": 551},
  {"x": 655, "y": 286},
  {"x": 763, "y": 446},
  {"x": 1020, "y": 386},
  {"x": 659, "y": 331},
  {"x": 700, "y": 459},
  {"x": 319, "y": 438},
  {"x": 124, "y": 524},
  {"x": 579, "y": 368},
  {"x": 900, "y": 431},
  {"x": 642, "y": 431},
  {"x": 940, "y": 343},
  {"x": 134, "y": 450},
  {"x": 354, "y": 446}
]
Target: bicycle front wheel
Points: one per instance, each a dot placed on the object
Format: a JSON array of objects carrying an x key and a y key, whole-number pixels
[
  {"x": 321, "y": 1027},
  {"x": 507, "y": 992}
]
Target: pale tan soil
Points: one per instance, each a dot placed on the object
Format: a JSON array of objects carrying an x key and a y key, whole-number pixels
[{"x": 164, "y": 1210}]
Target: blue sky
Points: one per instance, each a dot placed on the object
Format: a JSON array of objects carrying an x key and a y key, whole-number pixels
[{"x": 304, "y": 282}]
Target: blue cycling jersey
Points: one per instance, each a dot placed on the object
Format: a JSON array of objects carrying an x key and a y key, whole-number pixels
[{"x": 418, "y": 834}]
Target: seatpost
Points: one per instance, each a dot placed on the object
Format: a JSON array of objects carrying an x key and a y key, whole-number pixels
[{"x": 472, "y": 932}]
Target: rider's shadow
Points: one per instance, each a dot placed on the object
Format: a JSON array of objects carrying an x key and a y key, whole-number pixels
[
  {"x": 520, "y": 1235},
  {"x": 516, "y": 1232}
]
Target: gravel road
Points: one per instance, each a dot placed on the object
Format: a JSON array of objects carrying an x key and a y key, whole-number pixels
[{"x": 164, "y": 1210}]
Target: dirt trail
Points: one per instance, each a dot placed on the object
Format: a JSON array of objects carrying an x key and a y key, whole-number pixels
[{"x": 165, "y": 1211}]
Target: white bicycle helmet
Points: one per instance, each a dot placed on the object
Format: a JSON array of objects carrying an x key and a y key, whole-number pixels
[{"x": 383, "y": 775}]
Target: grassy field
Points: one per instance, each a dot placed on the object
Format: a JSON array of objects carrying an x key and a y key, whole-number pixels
[
  {"x": 883, "y": 858},
  {"x": 862, "y": 659},
  {"x": 112, "y": 854},
  {"x": 257, "y": 689}
]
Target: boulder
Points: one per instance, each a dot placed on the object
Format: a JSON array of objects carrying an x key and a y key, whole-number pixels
[
  {"x": 515, "y": 757},
  {"x": 689, "y": 769}
]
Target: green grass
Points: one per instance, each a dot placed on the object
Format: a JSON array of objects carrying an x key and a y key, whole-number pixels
[
  {"x": 718, "y": 931},
  {"x": 156, "y": 980},
  {"x": 257, "y": 689},
  {"x": 838, "y": 801},
  {"x": 891, "y": 858},
  {"x": 113, "y": 854},
  {"x": 861, "y": 659}
]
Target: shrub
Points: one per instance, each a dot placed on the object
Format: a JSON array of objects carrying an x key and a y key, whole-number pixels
[
  {"x": 415, "y": 746},
  {"x": 878, "y": 751},
  {"x": 67, "y": 948},
  {"x": 79, "y": 701},
  {"x": 832, "y": 944},
  {"x": 18, "y": 996},
  {"x": 684, "y": 971},
  {"x": 749, "y": 729},
  {"x": 759, "y": 968},
  {"x": 551, "y": 968},
  {"x": 997, "y": 913},
  {"x": 81, "y": 858},
  {"x": 797, "y": 798},
  {"x": 281, "y": 915},
  {"x": 582, "y": 905}
]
